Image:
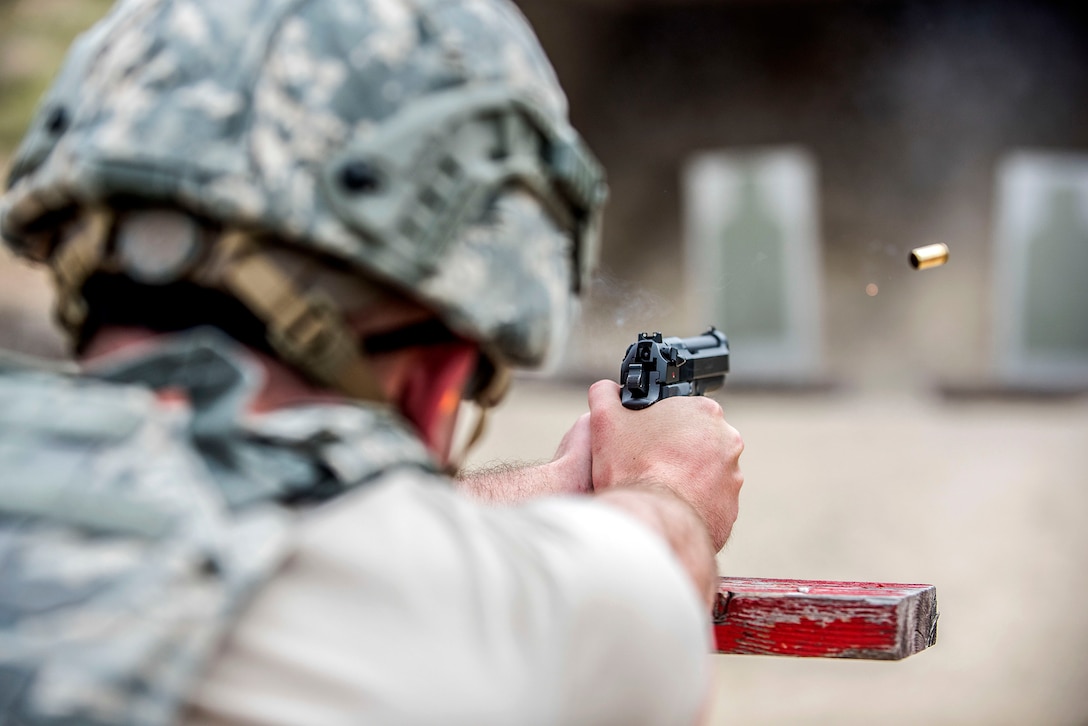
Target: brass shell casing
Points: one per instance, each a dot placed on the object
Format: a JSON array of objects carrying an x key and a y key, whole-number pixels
[{"x": 922, "y": 258}]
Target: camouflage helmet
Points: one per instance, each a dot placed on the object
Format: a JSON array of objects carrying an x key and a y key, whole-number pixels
[{"x": 419, "y": 143}]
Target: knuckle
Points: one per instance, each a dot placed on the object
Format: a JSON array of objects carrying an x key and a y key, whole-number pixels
[
  {"x": 710, "y": 406},
  {"x": 733, "y": 436}
]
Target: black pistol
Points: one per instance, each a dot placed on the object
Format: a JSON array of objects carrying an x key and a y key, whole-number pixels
[{"x": 656, "y": 368}]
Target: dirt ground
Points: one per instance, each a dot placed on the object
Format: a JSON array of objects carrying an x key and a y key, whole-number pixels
[{"x": 986, "y": 500}]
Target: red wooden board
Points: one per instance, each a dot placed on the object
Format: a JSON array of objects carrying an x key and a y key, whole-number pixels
[{"x": 818, "y": 619}]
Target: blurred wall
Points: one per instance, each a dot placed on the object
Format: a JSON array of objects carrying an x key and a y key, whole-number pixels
[{"x": 907, "y": 106}]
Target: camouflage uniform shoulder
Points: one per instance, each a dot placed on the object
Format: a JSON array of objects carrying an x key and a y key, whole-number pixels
[{"x": 133, "y": 532}]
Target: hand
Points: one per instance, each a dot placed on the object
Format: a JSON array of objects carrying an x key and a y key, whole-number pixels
[
  {"x": 573, "y": 460},
  {"x": 682, "y": 444}
]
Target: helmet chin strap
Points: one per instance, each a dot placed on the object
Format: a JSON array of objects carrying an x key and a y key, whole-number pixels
[
  {"x": 485, "y": 399},
  {"x": 455, "y": 461},
  {"x": 306, "y": 329},
  {"x": 486, "y": 387}
]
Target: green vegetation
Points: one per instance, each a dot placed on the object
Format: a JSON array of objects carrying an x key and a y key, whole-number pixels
[{"x": 34, "y": 36}]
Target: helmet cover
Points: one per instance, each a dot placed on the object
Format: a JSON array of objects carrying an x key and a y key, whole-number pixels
[{"x": 422, "y": 143}]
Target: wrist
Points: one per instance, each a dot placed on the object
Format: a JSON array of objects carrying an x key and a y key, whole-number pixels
[
  {"x": 504, "y": 484},
  {"x": 658, "y": 473}
]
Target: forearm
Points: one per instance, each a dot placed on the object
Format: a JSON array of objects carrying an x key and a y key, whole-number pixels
[
  {"x": 657, "y": 507},
  {"x": 513, "y": 484},
  {"x": 678, "y": 524}
]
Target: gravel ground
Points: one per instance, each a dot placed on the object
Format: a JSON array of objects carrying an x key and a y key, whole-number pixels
[{"x": 985, "y": 500}]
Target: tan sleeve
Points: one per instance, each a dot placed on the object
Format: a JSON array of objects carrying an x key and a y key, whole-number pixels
[{"x": 407, "y": 604}]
